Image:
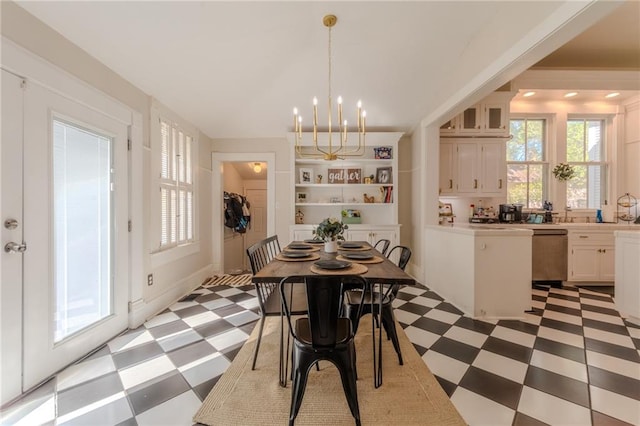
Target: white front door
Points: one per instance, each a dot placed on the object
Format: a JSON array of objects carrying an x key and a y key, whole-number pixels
[
  {"x": 12, "y": 229},
  {"x": 75, "y": 266}
]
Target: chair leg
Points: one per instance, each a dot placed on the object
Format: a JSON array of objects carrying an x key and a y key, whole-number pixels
[
  {"x": 303, "y": 362},
  {"x": 255, "y": 353},
  {"x": 347, "y": 374},
  {"x": 388, "y": 320}
]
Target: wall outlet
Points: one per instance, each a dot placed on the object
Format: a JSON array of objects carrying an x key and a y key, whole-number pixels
[{"x": 150, "y": 279}]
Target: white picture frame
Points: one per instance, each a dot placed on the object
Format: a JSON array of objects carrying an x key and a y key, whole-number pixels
[
  {"x": 301, "y": 197},
  {"x": 305, "y": 175}
]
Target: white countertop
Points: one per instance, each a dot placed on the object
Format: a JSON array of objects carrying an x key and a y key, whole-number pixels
[
  {"x": 568, "y": 226},
  {"x": 483, "y": 229},
  {"x": 635, "y": 234}
]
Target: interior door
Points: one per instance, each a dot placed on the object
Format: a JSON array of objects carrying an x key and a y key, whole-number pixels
[
  {"x": 258, "y": 230},
  {"x": 74, "y": 193}
]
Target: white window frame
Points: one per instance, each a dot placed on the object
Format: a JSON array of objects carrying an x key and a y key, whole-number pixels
[
  {"x": 607, "y": 137},
  {"x": 165, "y": 253},
  {"x": 546, "y": 149}
]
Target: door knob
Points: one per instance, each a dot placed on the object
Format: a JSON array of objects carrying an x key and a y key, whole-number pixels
[
  {"x": 15, "y": 248},
  {"x": 11, "y": 224}
]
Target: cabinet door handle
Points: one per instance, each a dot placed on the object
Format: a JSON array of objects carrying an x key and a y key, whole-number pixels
[
  {"x": 599, "y": 250},
  {"x": 499, "y": 183},
  {"x": 475, "y": 183},
  {"x": 604, "y": 250},
  {"x": 450, "y": 183},
  {"x": 583, "y": 236}
]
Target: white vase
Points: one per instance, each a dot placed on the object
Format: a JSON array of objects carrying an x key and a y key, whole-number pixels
[{"x": 331, "y": 246}]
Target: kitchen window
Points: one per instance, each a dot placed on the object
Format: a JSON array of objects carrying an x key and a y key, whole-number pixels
[
  {"x": 586, "y": 153},
  {"x": 526, "y": 162},
  {"x": 174, "y": 153}
]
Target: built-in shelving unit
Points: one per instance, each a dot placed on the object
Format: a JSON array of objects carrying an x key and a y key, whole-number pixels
[{"x": 324, "y": 188}]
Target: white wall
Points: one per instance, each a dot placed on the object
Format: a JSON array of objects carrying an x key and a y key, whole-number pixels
[{"x": 173, "y": 279}]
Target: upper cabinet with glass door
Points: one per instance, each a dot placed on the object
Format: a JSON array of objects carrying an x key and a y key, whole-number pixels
[{"x": 487, "y": 118}]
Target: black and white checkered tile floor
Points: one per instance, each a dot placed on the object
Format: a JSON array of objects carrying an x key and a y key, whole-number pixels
[{"x": 573, "y": 361}]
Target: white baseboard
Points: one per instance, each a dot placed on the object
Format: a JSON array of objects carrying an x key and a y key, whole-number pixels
[
  {"x": 141, "y": 310},
  {"x": 416, "y": 272}
]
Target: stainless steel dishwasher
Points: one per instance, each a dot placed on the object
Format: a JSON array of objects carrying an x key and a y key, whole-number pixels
[{"x": 549, "y": 255}]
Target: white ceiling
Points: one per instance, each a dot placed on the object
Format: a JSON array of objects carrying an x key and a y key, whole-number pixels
[{"x": 237, "y": 69}]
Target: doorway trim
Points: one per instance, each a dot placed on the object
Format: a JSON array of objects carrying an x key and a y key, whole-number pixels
[{"x": 217, "y": 190}]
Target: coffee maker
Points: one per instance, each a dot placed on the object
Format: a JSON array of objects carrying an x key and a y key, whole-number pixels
[{"x": 510, "y": 213}]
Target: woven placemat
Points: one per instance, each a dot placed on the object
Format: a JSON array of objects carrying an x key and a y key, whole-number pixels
[
  {"x": 312, "y": 256},
  {"x": 355, "y": 269},
  {"x": 363, "y": 248},
  {"x": 374, "y": 259},
  {"x": 310, "y": 249}
]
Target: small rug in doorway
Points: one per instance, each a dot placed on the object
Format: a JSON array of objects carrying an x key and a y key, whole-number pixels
[
  {"x": 409, "y": 395},
  {"x": 230, "y": 280}
]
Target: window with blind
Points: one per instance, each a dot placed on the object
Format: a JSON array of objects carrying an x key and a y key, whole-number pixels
[
  {"x": 527, "y": 163},
  {"x": 176, "y": 185},
  {"x": 586, "y": 153}
]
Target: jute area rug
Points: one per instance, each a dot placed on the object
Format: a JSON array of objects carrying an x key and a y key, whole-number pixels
[
  {"x": 409, "y": 395},
  {"x": 230, "y": 280}
]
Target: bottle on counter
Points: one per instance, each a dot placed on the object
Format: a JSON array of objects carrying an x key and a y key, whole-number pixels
[
  {"x": 599, "y": 216},
  {"x": 472, "y": 210}
]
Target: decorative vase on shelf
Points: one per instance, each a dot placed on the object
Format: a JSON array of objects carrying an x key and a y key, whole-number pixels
[{"x": 331, "y": 246}]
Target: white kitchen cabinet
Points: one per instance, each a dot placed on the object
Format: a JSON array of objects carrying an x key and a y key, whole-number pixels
[
  {"x": 473, "y": 168},
  {"x": 368, "y": 233},
  {"x": 591, "y": 256},
  {"x": 301, "y": 233},
  {"x": 373, "y": 234},
  {"x": 447, "y": 177},
  {"x": 489, "y": 117},
  {"x": 493, "y": 168}
]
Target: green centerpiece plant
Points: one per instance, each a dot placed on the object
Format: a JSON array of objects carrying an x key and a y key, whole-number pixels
[{"x": 330, "y": 229}]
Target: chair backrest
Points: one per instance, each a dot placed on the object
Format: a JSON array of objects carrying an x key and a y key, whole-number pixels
[
  {"x": 263, "y": 252},
  {"x": 324, "y": 301},
  {"x": 382, "y": 246},
  {"x": 403, "y": 253}
]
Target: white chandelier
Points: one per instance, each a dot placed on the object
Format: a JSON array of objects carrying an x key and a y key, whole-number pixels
[{"x": 341, "y": 150}]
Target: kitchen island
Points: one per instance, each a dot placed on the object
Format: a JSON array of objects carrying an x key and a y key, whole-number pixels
[{"x": 485, "y": 271}]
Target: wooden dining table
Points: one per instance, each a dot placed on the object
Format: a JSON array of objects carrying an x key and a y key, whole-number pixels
[{"x": 377, "y": 274}]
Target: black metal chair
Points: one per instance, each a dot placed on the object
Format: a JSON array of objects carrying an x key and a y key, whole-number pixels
[
  {"x": 353, "y": 299},
  {"x": 323, "y": 334},
  {"x": 260, "y": 254},
  {"x": 382, "y": 246}
]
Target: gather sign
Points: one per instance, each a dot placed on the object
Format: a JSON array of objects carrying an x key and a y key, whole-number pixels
[{"x": 345, "y": 175}]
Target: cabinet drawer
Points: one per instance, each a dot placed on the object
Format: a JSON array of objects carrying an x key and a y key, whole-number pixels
[{"x": 591, "y": 238}]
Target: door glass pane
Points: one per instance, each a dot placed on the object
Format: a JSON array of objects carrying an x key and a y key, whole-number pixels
[
  {"x": 495, "y": 118},
  {"x": 469, "y": 118},
  {"x": 82, "y": 228}
]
